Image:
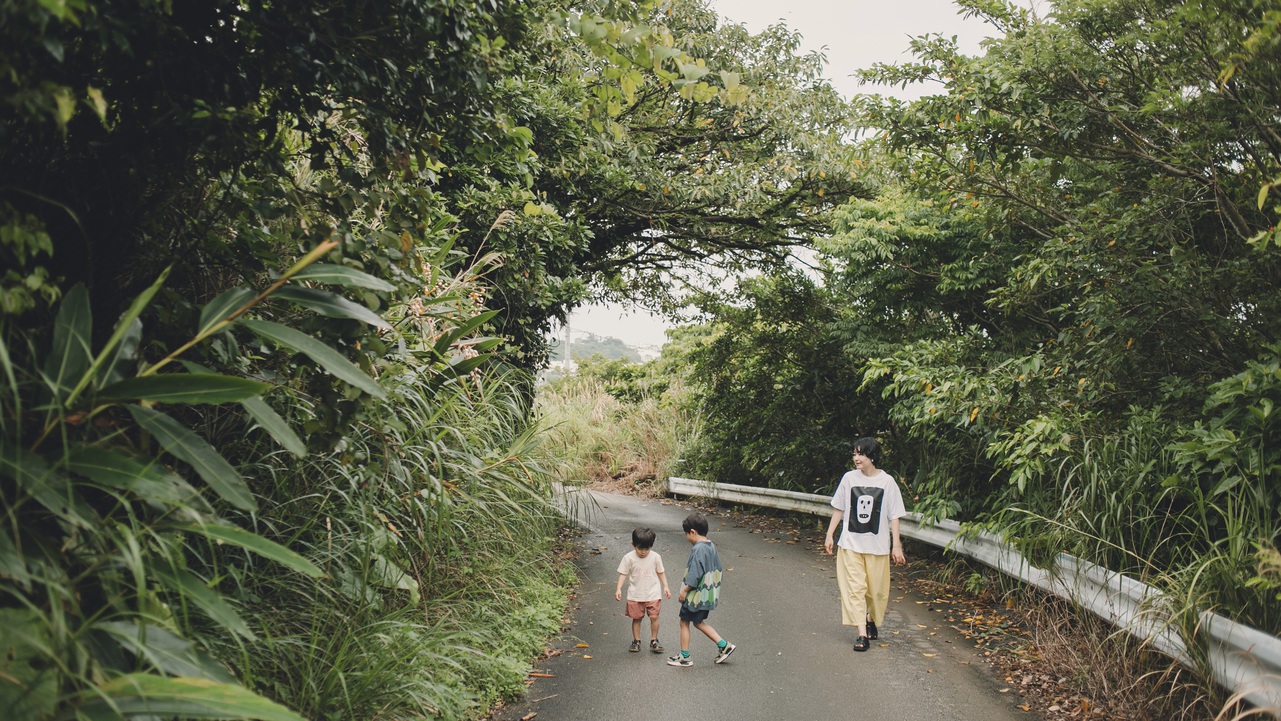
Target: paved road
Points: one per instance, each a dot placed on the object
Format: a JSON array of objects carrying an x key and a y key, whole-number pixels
[{"x": 794, "y": 661}]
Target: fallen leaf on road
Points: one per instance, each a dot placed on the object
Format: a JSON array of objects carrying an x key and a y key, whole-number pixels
[
  {"x": 583, "y": 645},
  {"x": 1025, "y": 707},
  {"x": 528, "y": 716},
  {"x": 929, "y": 655},
  {"x": 586, "y": 656},
  {"x": 542, "y": 675}
]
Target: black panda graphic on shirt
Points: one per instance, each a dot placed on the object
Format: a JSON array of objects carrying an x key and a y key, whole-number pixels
[{"x": 864, "y": 514}]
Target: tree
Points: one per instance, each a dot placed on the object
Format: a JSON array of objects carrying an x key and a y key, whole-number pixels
[
  {"x": 1103, "y": 148},
  {"x": 775, "y": 389},
  {"x": 1113, "y": 165},
  {"x": 704, "y": 151},
  {"x": 136, "y": 132}
]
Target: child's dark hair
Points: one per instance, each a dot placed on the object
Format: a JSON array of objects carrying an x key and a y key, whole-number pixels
[
  {"x": 869, "y": 447},
  {"x": 643, "y": 538},
  {"x": 695, "y": 522}
]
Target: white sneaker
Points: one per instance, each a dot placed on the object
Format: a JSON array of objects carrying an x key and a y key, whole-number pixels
[{"x": 725, "y": 652}]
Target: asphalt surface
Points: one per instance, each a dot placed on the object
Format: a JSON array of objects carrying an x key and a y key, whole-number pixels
[{"x": 779, "y": 604}]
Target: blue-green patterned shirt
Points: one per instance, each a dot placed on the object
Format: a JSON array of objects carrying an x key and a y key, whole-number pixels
[{"x": 703, "y": 576}]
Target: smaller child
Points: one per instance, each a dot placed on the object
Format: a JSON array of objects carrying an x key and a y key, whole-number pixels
[
  {"x": 700, "y": 592},
  {"x": 644, "y": 569}
]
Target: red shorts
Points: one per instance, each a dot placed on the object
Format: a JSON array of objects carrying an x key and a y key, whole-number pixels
[{"x": 639, "y": 609}]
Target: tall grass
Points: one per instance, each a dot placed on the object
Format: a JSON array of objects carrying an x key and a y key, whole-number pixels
[
  {"x": 433, "y": 519},
  {"x": 434, "y": 525},
  {"x": 601, "y": 439},
  {"x": 1133, "y": 502}
]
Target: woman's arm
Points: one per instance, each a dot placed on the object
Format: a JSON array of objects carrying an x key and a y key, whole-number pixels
[
  {"x": 896, "y": 544},
  {"x": 832, "y": 525}
]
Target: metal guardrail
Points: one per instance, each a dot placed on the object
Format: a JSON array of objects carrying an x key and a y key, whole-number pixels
[{"x": 1243, "y": 660}]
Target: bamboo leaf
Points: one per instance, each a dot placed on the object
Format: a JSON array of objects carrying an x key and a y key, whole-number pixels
[
  {"x": 27, "y": 689},
  {"x": 190, "y": 388},
  {"x": 49, "y": 486},
  {"x": 270, "y": 421},
  {"x": 169, "y": 653},
  {"x": 206, "y": 599},
  {"x": 217, "y": 310},
  {"x": 126, "y": 353},
  {"x": 327, "y": 358},
  {"x": 148, "y": 481},
  {"x": 449, "y": 338},
  {"x": 139, "y": 694},
  {"x": 71, "y": 354},
  {"x": 255, "y": 543},
  {"x": 480, "y": 345},
  {"x": 184, "y": 444},
  {"x": 342, "y": 275},
  {"x": 463, "y": 366},
  {"x": 124, "y": 327},
  {"x": 331, "y": 305}
]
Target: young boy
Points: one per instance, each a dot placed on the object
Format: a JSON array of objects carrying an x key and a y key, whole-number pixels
[
  {"x": 869, "y": 540},
  {"x": 644, "y": 569},
  {"x": 700, "y": 591}
]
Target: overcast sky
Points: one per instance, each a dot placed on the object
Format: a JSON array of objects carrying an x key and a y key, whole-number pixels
[{"x": 853, "y": 34}]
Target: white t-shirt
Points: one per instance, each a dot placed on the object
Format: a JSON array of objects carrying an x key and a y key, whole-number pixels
[
  {"x": 642, "y": 576},
  {"x": 869, "y": 504}
]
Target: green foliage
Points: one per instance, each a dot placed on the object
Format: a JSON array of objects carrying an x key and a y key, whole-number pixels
[
  {"x": 1269, "y": 574},
  {"x": 98, "y": 525},
  {"x": 776, "y": 392},
  {"x": 684, "y": 149},
  {"x": 615, "y": 420},
  {"x": 390, "y": 446},
  {"x": 623, "y": 379},
  {"x": 433, "y": 526},
  {"x": 1059, "y": 311},
  {"x": 25, "y": 284},
  {"x": 1099, "y": 170}
]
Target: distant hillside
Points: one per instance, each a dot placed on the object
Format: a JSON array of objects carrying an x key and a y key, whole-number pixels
[{"x": 590, "y": 344}]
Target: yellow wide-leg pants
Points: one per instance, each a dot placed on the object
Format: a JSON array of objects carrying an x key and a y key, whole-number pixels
[{"x": 864, "y": 581}]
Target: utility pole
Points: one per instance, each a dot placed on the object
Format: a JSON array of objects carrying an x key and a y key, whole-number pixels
[{"x": 569, "y": 357}]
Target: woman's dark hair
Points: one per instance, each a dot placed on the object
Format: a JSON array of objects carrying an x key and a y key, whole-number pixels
[
  {"x": 695, "y": 522},
  {"x": 869, "y": 447},
  {"x": 643, "y": 538}
]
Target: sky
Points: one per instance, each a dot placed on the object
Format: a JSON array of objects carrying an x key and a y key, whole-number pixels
[{"x": 853, "y": 34}]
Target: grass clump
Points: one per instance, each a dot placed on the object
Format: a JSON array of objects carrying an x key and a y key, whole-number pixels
[{"x": 616, "y": 423}]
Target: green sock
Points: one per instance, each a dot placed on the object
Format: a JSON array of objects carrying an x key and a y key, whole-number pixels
[
  {"x": 684, "y": 654},
  {"x": 721, "y": 644}
]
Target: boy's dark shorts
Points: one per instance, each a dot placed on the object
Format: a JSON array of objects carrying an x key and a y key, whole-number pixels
[{"x": 694, "y": 617}]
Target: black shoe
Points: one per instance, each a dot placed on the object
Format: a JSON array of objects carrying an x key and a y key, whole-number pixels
[
  {"x": 871, "y": 630},
  {"x": 861, "y": 644}
]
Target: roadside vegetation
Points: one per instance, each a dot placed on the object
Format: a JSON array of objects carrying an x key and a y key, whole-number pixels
[
  {"x": 277, "y": 283},
  {"x": 617, "y": 424}
]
